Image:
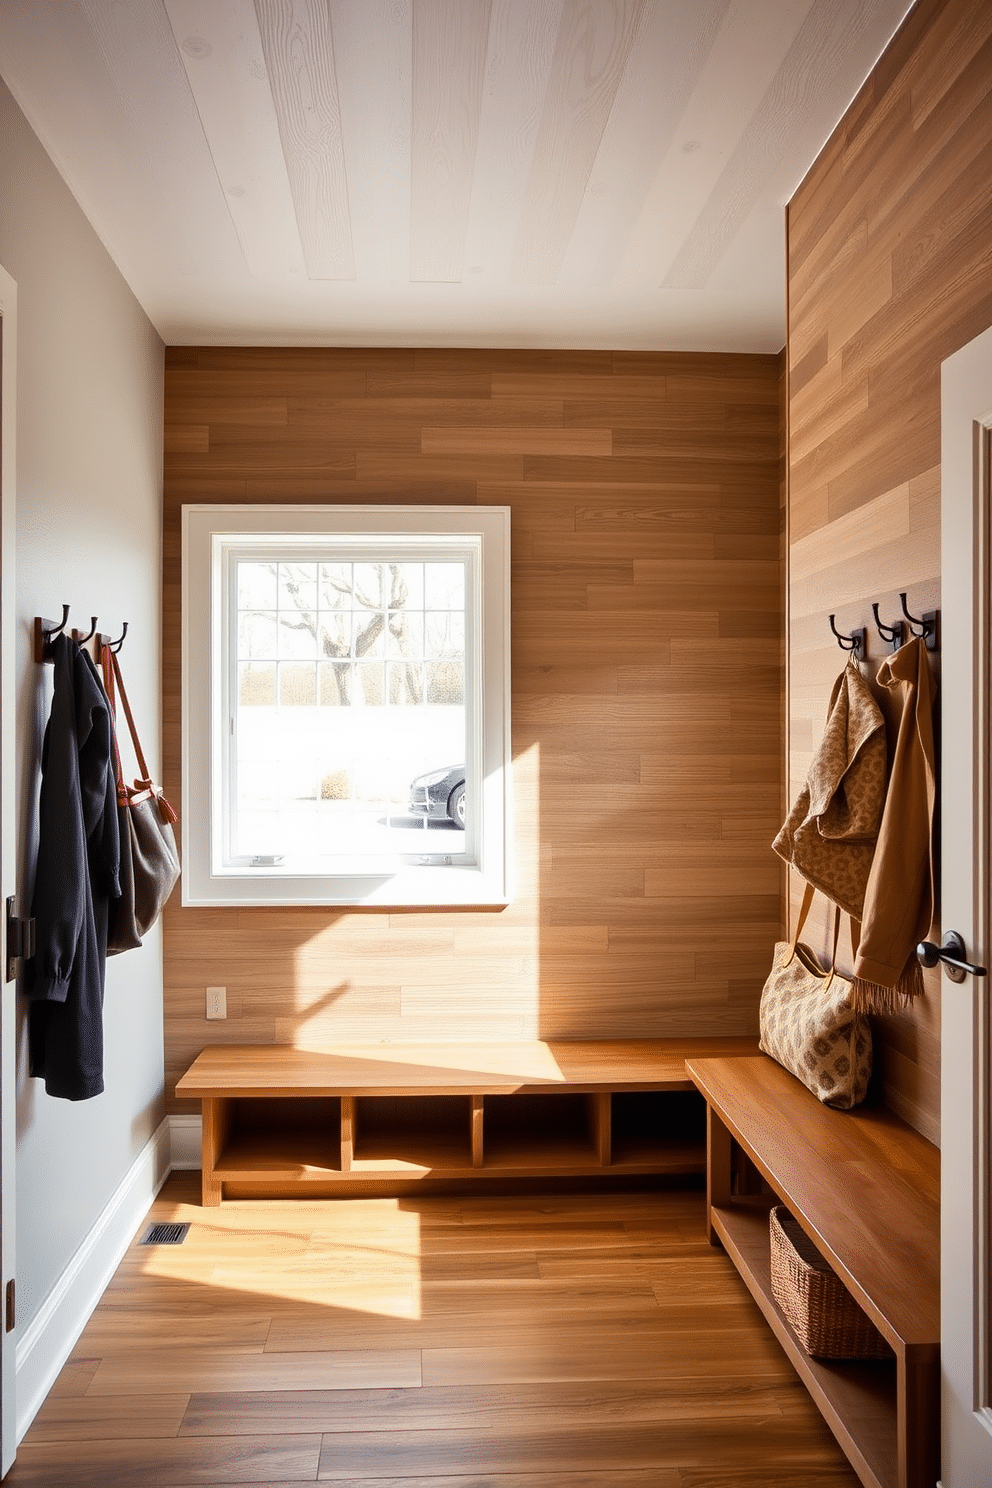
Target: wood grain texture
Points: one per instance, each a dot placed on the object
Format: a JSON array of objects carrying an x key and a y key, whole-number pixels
[
  {"x": 890, "y": 271},
  {"x": 449, "y": 1069},
  {"x": 287, "y": 1332},
  {"x": 646, "y": 628}
]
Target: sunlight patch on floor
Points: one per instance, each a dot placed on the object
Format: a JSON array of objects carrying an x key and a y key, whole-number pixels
[{"x": 362, "y": 1257}]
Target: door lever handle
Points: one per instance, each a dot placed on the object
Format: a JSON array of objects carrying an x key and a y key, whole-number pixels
[{"x": 951, "y": 951}]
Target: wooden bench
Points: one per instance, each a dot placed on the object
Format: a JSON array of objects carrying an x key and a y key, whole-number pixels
[
  {"x": 865, "y": 1187},
  {"x": 280, "y": 1121}
]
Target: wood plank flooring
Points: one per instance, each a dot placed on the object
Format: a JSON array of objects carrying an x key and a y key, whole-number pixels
[{"x": 584, "y": 1340}]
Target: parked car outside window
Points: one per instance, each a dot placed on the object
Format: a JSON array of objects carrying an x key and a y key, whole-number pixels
[{"x": 440, "y": 795}]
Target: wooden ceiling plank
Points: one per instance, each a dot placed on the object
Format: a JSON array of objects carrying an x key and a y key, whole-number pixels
[
  {"x": 450, "y": 40},
  {"x": 522, "y": 37},
  {"x": 220, "y": 48},
  {"x": 373, "y": 45},
  {"x": 591, "y": 56},
  {"x": 299, "y": 58}
]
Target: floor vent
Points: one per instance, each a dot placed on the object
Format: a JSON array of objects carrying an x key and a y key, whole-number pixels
[{"x": 165, "y": 1234}]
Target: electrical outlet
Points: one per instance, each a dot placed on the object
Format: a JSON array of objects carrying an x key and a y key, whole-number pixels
[{"x": 216, "y": 1002}]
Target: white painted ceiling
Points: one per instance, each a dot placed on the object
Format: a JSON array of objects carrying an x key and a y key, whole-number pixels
[{"x": 548, "y": 173}]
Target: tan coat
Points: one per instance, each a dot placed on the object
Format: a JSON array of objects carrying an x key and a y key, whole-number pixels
[{"x": 899, "y": 897}]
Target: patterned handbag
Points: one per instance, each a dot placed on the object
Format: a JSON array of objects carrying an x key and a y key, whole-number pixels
[{"x": 808, "y": 1022}]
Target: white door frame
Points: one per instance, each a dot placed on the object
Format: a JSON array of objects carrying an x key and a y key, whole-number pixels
[
  {"x": 966, "y": 906},
  {"x": 8, "y": 839}
]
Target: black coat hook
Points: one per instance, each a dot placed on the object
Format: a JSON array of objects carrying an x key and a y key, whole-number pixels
[
  {"x": 92, "y": 632},
  {"x": 856, "y": 642},
  {"x": 58, "y": 629},
  {"x": 891, "y": 634},
  {"x": 927, "y": 623},
  {"x": 116, "y": 645}
]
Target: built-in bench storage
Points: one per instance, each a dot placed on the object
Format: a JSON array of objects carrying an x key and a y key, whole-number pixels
[
  {"x": 865, "y": 1187},
  {"x": 278, "y": 1120}
]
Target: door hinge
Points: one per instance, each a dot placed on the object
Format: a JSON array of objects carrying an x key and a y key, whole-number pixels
[
  {"x": 19, "y": 941},
  {"x": 10, "y": 1307}
]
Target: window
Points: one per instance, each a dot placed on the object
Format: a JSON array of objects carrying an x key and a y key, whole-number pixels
[{"x": 345, "y": 705}]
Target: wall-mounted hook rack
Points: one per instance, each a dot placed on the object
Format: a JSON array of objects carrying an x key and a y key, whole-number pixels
[
  {"x": 856, "y": 642},
  {"x": 928, "y": 623},
  {"x": 892, "y": 635},
  {"x": 45, "y": 632}
]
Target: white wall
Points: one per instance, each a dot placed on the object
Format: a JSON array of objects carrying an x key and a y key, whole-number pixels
[{"x": 89, "y": 486}]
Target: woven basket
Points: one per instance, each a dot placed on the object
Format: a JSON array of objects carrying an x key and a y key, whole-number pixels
[{"x": 814, "y": 1301}]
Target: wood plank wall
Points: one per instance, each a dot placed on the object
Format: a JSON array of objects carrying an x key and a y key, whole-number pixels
[
  {"x": 648, "y": 653},
  {"x": 890, "y": 271}
]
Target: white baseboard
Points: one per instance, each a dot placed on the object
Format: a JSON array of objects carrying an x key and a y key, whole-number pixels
[
  {"x": 186, "y": 1132},
  {"x": 51, "y": 1336}
]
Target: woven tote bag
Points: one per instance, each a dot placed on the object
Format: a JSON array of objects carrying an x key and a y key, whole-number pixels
[{"x": 808, "y": 1022}]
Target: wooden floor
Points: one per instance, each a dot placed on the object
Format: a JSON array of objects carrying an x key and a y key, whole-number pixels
[{"x": 586, "y": 1341}]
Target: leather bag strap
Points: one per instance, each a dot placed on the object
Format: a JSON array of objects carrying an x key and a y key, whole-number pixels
[
  {"x": 833, "y": 953},
  {"x": 107, "y": 671},
  {"x": 139, "y": 752},
  {"x": 144, "y": 787},
  {"x": 800, "y": 922},
  {"x": 801, "y": 919}
]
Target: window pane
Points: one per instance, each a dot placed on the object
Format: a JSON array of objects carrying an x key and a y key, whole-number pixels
[
  {"x": 445, "y": 635},
  {"x": 369, "y": 633},
  {"x": 369, "y": 592},
  {"x": 257, "y": 587},
  {"x": 408, "y": 588},
  {"x": 297, "y": 685},
  {"x": 370, "y": 676},
  {"x": 298, "y": 586},
  {"x": 257, "y": 684},
  {"x": 405, "y": 634},
  {"x": 444, "y": 586},
  {"x": 405, "y": 680},
  {"x": 446, "y": 683},
  {"x": 257, "y": 634},
  {"x": 335, "y": 586},
  {"x": 297, "y": 637},
  {"x": 336, "y": 681},
  {"x": 334, "y": 635}
]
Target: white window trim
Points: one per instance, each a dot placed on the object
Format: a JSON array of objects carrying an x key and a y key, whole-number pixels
[{"x": 428, "y": 882}]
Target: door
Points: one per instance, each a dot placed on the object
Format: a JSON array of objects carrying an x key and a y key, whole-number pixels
[
  {"x": 966, "y": 1066},
  {"x": 8, "y": 332}
]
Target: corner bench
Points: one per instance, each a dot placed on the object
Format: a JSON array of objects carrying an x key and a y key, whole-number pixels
[
  {"x": 865, "y": 1187},
  {"x": 281, "y": 1121}
]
